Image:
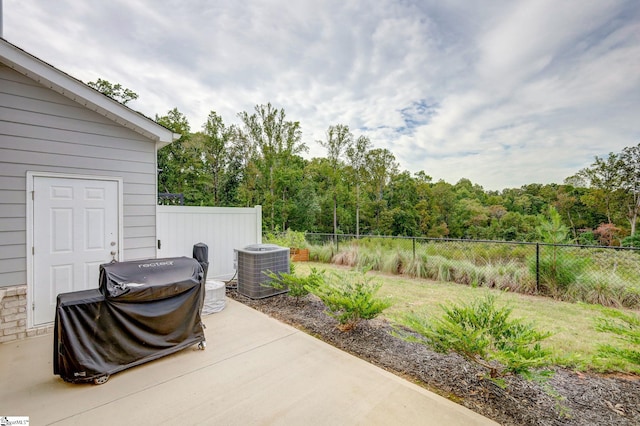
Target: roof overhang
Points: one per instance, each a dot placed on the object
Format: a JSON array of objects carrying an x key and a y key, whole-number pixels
[{"x": 74, "y": 89}]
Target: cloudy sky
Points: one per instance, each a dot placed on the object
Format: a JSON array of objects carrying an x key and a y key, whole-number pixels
[{"x": 503, "y": 93}]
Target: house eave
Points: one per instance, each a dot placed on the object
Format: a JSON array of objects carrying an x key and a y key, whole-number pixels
[{"x": 74, "y": 89}]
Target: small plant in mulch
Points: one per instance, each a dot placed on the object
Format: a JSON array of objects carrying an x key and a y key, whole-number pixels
[
  {"x": 299, "y": 286},
  {"x": 350, "y": 298},
  {"x": 484, "y": 334}
]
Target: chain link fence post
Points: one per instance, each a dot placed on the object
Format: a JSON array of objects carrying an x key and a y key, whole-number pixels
[{"x": 537, "y": 268}]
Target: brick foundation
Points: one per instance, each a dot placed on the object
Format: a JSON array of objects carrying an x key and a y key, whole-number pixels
[{"x": 13, "y": 315}]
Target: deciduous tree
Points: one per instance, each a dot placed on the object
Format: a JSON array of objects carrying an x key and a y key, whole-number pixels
[
  {"x": 275, "y": 140},
  {"x": 338, "y": 140},
  {"x": 630, "y": 159},
  {"x": 357, "y": 157},
  {"x": 605, "y": 176},
  {"x": 115, "y": 91},
  {"x": 381, "y": 165}
]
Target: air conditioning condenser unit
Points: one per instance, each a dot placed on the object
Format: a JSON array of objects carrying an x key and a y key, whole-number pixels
[{"x": 254, "y": 262}]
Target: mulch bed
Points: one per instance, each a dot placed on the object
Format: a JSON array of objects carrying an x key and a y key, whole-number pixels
[{"x": 567, "y": 398}]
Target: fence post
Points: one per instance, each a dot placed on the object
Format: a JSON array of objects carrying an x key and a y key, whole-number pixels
[
  {"x": 258, "y": 212},
  {"x": 537, "y": 268},
  {"x": 414, "y": 247}
]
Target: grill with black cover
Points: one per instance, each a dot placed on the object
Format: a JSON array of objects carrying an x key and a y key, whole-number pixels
[{"x": 143, "y": 310}]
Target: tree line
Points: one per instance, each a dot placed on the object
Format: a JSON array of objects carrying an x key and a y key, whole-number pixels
[{"x": 359, "y": 189}]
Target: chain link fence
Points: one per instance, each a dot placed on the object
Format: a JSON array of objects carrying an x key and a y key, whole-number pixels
[{"x": 594, "y": 274}]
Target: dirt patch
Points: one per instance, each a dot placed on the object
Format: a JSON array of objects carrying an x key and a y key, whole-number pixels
[{"x": 568, "y": 398}]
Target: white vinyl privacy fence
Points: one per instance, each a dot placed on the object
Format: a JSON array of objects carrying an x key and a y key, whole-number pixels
[{"x": 223, "y": 229}]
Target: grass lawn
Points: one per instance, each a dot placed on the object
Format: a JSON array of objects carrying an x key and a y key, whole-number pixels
[{"x": 574, "y": 341}]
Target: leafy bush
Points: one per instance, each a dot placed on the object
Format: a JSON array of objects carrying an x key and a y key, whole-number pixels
[
  {"x": 350, "y": 298},
  {"x": 626, "y": 327},
  {"x": 288, "y": 238},
  {"x": 482, "y": 333},
  {"x": 587, "y": 238},
  {"x": 298, "y": 286},
  {"x": 631, "y": 240}
]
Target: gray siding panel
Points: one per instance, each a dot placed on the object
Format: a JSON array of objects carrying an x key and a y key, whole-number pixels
[
  {"x": 68, "y": 136},
  {"x": 140, "y": 199},
  {"x": 13, "y": 210},
  {"x": 49, "y": 121},
  {"x": 9, "y": 279},
  {"x": 13, "y": 251},
  {"x": 11, "y": 265},
  {"x": 74, "y": 164},
  {"x": 133, "y": 210},
  {"x": 141, "y": 231},
  {"x": 74, "y": 149},
  {"x": 12, "y": 238},
  {"x": 12, "y": 183},
  {"x": 9, "y": 169},
  {"x": 139, "y": 188},
  {"x": 43, "y": 131},
  {"x": 12, "y": 224},
  {"x": 11, "y": 197},
  {"x": 137, "y": 254},
  {"x": 140, "y": 242}
]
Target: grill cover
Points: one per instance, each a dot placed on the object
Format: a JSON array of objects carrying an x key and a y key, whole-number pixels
[{"x": 142, "y": 311}]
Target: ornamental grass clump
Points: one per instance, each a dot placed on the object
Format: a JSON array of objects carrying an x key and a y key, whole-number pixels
[
  {"x": 322, "y": 253},
  {"x": 350, "y": 298},
  {"x": 484, "y": 334}
]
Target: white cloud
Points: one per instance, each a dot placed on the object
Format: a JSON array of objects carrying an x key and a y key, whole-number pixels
[{"x": 503, "y": 93}]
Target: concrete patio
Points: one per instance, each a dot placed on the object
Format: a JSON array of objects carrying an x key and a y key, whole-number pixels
[{"x": 254, "y": 371}]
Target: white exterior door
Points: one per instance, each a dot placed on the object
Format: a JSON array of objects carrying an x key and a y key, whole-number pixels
[{"x": 75, "y": 229}]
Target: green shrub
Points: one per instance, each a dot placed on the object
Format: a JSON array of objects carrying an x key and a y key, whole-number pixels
[
  {"x": 587, "y": 239},
  {"x": 626, "y": 327},
  {"x": 631, "y": 240},
  {"x": 350, "y": 298},
  {"x": 484, "y": 334},
  {"x": 288, "y": 238},
  {"x": 298, "y": 286}
]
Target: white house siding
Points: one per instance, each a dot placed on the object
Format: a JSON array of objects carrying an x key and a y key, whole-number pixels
[{"x": 43, "y": 131}]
